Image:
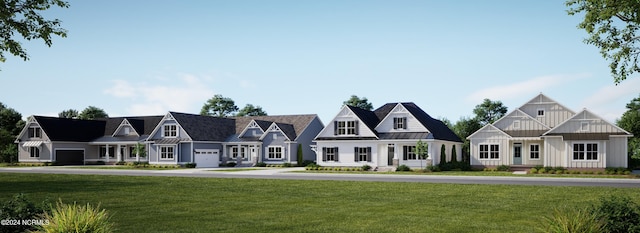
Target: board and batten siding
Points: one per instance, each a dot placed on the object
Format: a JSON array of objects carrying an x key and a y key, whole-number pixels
[
  {"x": 554, "y": 152},
  {"x": 599, "y": 163},
  {"x": 617, "y": 152},
  {"x": 25, "y": 156},
  {"x": 490, "y": 136},
  {"x": 526, "y": 153},
  {"x": 587, "y": 122},
  {"x": 525, "y": 122},
  {"x": 346, "y": 156}
]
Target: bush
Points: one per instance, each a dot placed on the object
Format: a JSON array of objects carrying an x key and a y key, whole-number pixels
[
  {"x": 261, "y": 164},
  {"x": 503, "y": 168},
  {"x": 366, "y": 167},
  {"x": 403, "y": 168},
  {"x": 287, "y": 165},
  {"x": 619, "y": 213},
  {"x": 121, "y": 163},
  {"x": 20, "y": 208},
  {"x": 190, "y": 165},
  {"x": 538, "y": 167},
  {"x": 77, "y": 218},
  {"x": 533, "y": 171},
  {"x": 432, "y": 168},
  {"x": 231, "y": 164},
  {"x": 307, "y": 162},
  {"x": 570, "y": 220}
]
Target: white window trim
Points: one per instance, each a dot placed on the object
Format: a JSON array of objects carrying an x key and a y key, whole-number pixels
[
  {"x": 275, "y": 152},
  {"x": 538, "y": 111},
  {"x": 584, "y": 125},
  {"x": 164, "y": 133},
  {"x": 34, "y": 132},
  {"x": 173, "y": 154},
  {"x": 399, "y": 123},
  {"x": 539, "y": 151},
  {"x": 346, "y": 128},
  {"x": 489, "y": 151},
  {"x": 31, "y": 149},
  {"x": 334, "y": 154},
  {"x": 516, "y": 124},
  {"x": 585, "y": 151}
]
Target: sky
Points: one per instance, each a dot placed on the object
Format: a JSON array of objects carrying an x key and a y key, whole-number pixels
[{"x": 307, "y": 57}]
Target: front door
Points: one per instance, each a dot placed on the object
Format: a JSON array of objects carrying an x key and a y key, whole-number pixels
[
  {"x": 390, "y": 155},
  {"x": 517, "y": 154}
]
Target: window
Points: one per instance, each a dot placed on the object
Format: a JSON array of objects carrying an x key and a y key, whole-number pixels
[
  {"x": 540, "y": 112},
  {"x": 132, "y": 153},
  {"x": 362, "y": 154},
  {"x": 516, "y": 124},
  {"x": 35, "y": 132},
  {"x": 585, "y": 151},
  {"x": 489, "y": 151},
  {"x": 34, "y": 152},
  {"x": 330, "y": 154},
  {"x": 103, "y": 152},
  {"x": 234, "y": 152},
  {"x": 584, "y": 126},
  {"x": 534, "y": 151},
  {"x": 127, "y": 130},
  {"x": 409, "y": 153},
  {"x": 170, "y": 131},
  {"x": 166, "y": 152},
  {"x": 346, "y": 128},
  {"x": 400, "y": 123},
  {"x": 275, "y": 152}
]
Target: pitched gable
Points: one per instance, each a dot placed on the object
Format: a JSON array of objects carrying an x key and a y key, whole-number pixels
[
  {"x": 546, "y": 110},
  {"x": 365, "y": 123},
  {"x": 437, "y": 128},
  {"x": 400, "y": 113},
  {"x": 254, "y": 129},
  {"x": 205, "y": 128},
  {"x": 587, "y": 123},
  {"x": 488, "y": 132},
  {"x": 519, "y": 124},
  {"x": 69, "y": 130}
]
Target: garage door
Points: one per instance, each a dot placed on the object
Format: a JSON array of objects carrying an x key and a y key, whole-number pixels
[
  {"x": 70, "y": 157},
  {"x": 206, "y": 158}
]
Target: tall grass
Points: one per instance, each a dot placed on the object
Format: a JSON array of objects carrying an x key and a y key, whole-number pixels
[
  {"x": 579, "y": 220},
  {"x": 77, "y": 218}
]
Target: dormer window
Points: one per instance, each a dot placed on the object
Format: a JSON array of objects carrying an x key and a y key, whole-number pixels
[
  {"x": 170, "y": 131},
  {"x": 35, "y": 132},
  {"x": 400, "y": 123},
  {"x": 345, "y": 128}
]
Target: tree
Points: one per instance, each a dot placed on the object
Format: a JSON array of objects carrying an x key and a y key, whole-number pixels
[
  {"x": 300, "y": 156},
  {"x": 250, "y": 110},
  {"x": 91, "y": 113},
  {"x": 69, "y": 113},
  {"x": 355, "y": 101},
  {"x": 489, "y": 111},
  {"x": 140, "y": 151},
  {"x": 464, "y": 128},
  {"x": 630, "y": 121},
  {"x": 612, "y": 27},
  {"x": 422, "y": 151},
  {"x": 443, "y": 154},
  {"x": 11, "y": 124},
  {"x": 219, "y": 106},
  {"x": 454, "y": 154},
  {"x": 23, "y": 17}
]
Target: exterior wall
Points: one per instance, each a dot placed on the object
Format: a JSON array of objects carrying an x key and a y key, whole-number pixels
[
  {"x": 413, "y": 125},
  {"x": 554, "y": 152},
  {"x": 526, "y": 153},
  {"x": 306, "y": 139},
  {"x": 346, "y": 115},
  {"x": 554, "y": 113},
  {"x": 594, "y": 125},
  {"x": 45, "y": 153},
  {"x": 252, "y": 132},
  {"x": 153, "y": 152},
  {"x": 526, "y": 122},
  {"x": 491, "y": 136},
  {"x": 275, "y": 139},
  {"x": 159, "y": 132},
  {"x": 617, "y": 152},
  {"x": 185, "y": 152},
  {"x": 345, "y": 153}
]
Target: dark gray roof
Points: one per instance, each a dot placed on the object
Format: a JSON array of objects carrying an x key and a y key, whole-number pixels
[
  {"x": 368, "y": 117},
  {"x": 72, "y": 130},
  {"x": 436, "y": 127},
  {"x": 106, "y": 139},
  {"x": 205, "y": 128},
  {"x": 585, "y": 136},
  {"x": 143, "y": 125},
  {"x": 291, "y": 125}
]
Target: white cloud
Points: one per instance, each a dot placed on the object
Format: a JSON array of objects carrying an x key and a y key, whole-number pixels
[
  {"x": 183, "y": 95},
  {"x": 610, "y": 100},
  {"x": 525, "y": 88}
]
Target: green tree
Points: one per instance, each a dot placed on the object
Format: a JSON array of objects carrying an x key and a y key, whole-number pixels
[
  {"x": 250, "y": 110},
  {"x": 356, "y": 101},
  {"x": 422, "y": 151},
  {"x": 219, "y": 106},
  {"x": 612, "y": 26},
  {"x": 300, "y": 156},
  {"x": 443, "y": 154},
  {"x": 140, "y": 151},
  {"x": 91, "y": 113},
  {"x": 464, "y": 128},
  {"x": 489, "y": 111},
  {"x": 454, "y": 154},
  {"x": 69, "y": 113},
  {"x": 11, "y": 124},
  {"x": 630, "y": 121},
  {"x": 23, "y": 17}
]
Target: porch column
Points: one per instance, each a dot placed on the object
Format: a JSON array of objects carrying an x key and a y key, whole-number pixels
[
  {"x": 107, "y": 153},
  {"x": 223, "y": 156},
  {"x": 119, "y": 153},
  {"x": 396, "y": 160}
]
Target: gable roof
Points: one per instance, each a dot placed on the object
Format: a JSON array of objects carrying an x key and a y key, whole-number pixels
[
  {"x": 72, "y": 130},
  {"x": 436, "y": 127},
  {"x": 489, "y": 127},
  {"x": 143, "y": 125},
  {"x": 291, "y": 125},
  {"x": 587, "y": 116},
  {"x": 205, "y": 128},
  {"x": 369, "y": 118}
]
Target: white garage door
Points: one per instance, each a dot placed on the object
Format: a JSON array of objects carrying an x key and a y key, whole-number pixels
[{"x": 207, "y": 158}]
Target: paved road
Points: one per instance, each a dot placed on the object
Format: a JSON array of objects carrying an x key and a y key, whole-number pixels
[{"x": 287, "y": 174}]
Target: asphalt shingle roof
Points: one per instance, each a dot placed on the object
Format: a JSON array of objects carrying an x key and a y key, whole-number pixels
[
  {"x": 205, "y": 128},
  {"x": 73, "y": 130}
]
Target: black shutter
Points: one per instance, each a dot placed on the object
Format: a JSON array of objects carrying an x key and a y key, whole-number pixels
[
  {"x": 355, "y": 154},
  {"x": 368, "y": 154},
  {"x": 335, "y": 128},
  {"x": 395, "y": 123},
  {"x": 357, "y": 130},
  {"x": 324, "y": 154},
  {"x": 404, "y": 152},
  {"x": 335, "y": 154},
  {"x": 404, "y": 123}
]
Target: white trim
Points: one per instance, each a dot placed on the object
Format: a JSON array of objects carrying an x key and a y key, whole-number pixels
[
  {"x": 31, "y": 160},
  {"x": 584, "y": 126},
  {"x": 538, "y": 110},
  {"x": 173, "y": 153},
  {"x": 275, "y": 152},
  {"x": 165, "y": 131},
  {"x": 489, "y": 151},
  {"x": 516, "y": 124},
  {"x": 124, "y": 122},
  {"x": 250, "y": 126},
  {"x": 539, "y": 151},
  {"x": 599, "y": 152}
]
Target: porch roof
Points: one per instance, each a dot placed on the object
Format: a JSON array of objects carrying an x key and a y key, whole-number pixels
[
  {"x": 585, "y": 136},
  {"x": 121, "y": 139},
  {"x": 525, "y": 133},
  {"x": 167, "y": 141},
  {"x": 235, "y": 138},
  {"x": 32, "y": 144},
  {"x": 405, "y": 135}
]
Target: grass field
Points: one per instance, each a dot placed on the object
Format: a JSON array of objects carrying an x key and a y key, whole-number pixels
[{"x": 177, "y": 204}]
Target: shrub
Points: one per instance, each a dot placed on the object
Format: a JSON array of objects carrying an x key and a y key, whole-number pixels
[
  {"x": 503, "y": 168},
  {"x": 403, "y": 168},
  {"x": 307, "y": 162},
  {"x": 190, "y": 165},
  {"x": 538, "y": 167},
  {"x": 261, "y": 164},
  {"x": 619, "y": 213},
  {"x": 533, "y": 170},
  {"x": 573, "y": 220},
  {"x": 559, "y": 169},
  {"x": 432, "y": 168},
  {"x": 121, "y": 163},
  {"x": 542, "y": 171},
  {"x": 287, "y": 165},
  {"x": 20, "y": 208},
  {"x": 77, "y": 218},
  {"x": 300, "y": 156},
  {"x": 366, "y": 167},
  {"x": 231, "y": 164}
]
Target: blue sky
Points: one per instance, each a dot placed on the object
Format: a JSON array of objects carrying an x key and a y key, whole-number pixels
[{"x": 299, "y": 57}]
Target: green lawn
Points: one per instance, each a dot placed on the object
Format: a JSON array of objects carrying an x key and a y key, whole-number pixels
[{"x": 178, "y": 204}]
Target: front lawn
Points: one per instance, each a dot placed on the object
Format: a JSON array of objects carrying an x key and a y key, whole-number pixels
[{"x": 179, "y": 204}]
